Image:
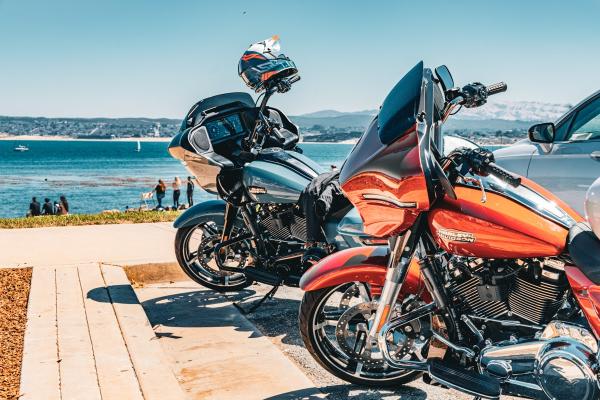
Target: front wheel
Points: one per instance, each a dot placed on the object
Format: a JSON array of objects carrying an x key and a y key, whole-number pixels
[
  {"x": 334, "y": 323},
  {"x": 194, "y": 249}
]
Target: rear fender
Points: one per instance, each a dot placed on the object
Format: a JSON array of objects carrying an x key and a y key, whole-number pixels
[
  {"x": 193, "y": 215},
  {"x": 360, "y": 264}
]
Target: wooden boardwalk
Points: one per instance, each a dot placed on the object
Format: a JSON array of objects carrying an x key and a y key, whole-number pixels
[{"x": 88, "y": 337}]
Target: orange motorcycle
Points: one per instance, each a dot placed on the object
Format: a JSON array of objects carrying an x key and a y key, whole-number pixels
[{"x": 490, "y": 284}]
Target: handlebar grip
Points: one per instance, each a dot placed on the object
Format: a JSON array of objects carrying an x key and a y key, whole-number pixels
[
  {"x": 504, "y": 175},
  {"x": 496, "y": 88},
  {"x": 278, "y": 135}
]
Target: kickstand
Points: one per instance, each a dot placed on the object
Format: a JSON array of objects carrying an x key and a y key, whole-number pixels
[{"x": 253, "y": 308}]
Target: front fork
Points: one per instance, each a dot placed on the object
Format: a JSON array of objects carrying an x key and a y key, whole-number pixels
[
  {"x": 397, "y": 269},
  {"x": 403, "y": 248}
]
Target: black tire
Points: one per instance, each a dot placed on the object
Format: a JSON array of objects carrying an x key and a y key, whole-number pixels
[
  {"x": 311, "y": 303},
  {"x": 199, "y": 274}
]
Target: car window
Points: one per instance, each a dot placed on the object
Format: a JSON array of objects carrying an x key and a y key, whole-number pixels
[{"x": 586, "y": 125}]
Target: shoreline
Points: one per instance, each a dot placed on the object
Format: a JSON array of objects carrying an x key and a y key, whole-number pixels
[
  {"x": 17, "y": 138},
  {"x": 35, "y": 138}
]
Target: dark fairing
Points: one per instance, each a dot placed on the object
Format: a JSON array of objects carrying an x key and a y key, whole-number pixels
[
  {"x": 399, "y": 109},
  {"x": 239, "y": 99},
  {"x": 214, "y": 128}
]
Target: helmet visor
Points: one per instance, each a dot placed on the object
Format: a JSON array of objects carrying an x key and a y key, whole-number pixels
[{"x": 268, "y": 46}]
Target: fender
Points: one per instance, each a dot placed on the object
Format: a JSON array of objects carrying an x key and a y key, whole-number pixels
[
  {"x": 192, "y": 215},
  {"x": 363, "y": 264}
]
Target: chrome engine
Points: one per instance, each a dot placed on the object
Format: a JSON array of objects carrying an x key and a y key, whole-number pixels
[
  {"x": 520, "y": 307},
  {"x": 282, "y": 223},
  {"x": 561, "y": 364},
  {"x": 527, "y": 291}
]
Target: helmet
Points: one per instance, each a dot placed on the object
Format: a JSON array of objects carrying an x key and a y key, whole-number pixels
[
  {"x": 592, "y": 206},
  {"x": 262, "y": 63}
]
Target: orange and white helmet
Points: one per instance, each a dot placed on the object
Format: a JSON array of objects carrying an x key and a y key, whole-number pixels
[{"x": 262, "y": 63}]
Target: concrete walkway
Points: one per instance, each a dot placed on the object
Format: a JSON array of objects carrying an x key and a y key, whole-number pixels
[
  {"x": 124, "y": 244},
  {"x": 88, "y": 337},
  {"x": 216, "y": 352}
]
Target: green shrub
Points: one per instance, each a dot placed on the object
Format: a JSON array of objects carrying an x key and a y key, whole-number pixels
[{"x": 134, "y": 217}]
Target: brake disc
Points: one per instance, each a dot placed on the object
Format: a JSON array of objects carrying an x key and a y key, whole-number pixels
[
  {"x": 206, "y": 253},
  {"x": 352, "y": 331}
]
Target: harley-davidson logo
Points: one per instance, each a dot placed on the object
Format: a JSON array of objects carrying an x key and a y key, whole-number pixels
[
  {"x": 257, "y": 190},
  {"x": 456, "y": 236}
]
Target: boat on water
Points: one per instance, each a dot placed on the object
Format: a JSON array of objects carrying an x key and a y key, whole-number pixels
[
  {"x": 21, "y": 148},
  {"x": 139, "y": 146}
]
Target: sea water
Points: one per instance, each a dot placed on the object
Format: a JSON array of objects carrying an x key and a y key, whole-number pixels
[{"x": 103, "y": 175}]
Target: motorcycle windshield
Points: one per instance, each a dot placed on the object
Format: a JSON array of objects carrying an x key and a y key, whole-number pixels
[
  {"x": 399, "y": 109},
  {"x": 396, "y": 119}
]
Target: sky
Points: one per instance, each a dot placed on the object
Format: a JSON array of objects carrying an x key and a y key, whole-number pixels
[{"x": 134, "y": 58}]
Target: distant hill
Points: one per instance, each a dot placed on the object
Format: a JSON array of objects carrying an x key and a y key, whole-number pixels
[
  {"x": 515, "y": 114},
  {"x": 496, "y": 119},
  {"x": 92, "y": 127}
]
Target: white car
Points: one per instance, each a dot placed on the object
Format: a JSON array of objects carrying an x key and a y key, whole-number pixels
[{"x": 564, "y": 157}]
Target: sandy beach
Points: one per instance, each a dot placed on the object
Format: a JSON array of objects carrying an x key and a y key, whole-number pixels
[{"x": 68, "y": 138}]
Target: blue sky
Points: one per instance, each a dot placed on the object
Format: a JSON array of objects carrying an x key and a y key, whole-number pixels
[{"x": 156, "y": 58}]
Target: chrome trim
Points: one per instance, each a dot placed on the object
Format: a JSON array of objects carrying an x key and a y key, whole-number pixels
[
  {"x": 507, "y": 322},
  {"x": 523, "y": 195},
  {"x": 390, "y": 200}
]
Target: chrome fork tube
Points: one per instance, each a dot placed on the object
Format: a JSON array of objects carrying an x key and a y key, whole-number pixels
[{"x": 396, "y": 272}]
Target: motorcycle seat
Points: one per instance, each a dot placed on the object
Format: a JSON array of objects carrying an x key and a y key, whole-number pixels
[{"x": 584, "y": 248}]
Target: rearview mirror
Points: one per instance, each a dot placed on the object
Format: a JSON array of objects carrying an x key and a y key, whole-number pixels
[
  {"x": 445, "y": 77},
  {"x": 542, "y": 133}
]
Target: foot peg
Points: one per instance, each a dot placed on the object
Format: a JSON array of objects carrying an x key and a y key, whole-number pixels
[{"x": 466, "y": 381}]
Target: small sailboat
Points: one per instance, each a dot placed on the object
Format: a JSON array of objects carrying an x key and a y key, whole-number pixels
[
  {"x": 139, "y": 146},
  {"x": 21, "y": 148}
]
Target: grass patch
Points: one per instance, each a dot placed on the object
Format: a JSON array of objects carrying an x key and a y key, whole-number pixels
[
  {"x": 14, "y": 295},
  {"x": 134, "y": 217}
]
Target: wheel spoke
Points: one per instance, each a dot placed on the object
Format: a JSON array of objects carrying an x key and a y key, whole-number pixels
[
  {"x": 359, "y": 343},
  {"x": 327, "y": 322},
  {"x": 364, "y": 293}
]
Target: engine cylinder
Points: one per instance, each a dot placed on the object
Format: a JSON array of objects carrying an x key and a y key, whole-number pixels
[{"x": 533, "y": 294}]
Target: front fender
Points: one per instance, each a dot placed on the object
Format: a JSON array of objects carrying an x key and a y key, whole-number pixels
[
  {"x": 193, "y": 215},
  {"x": 360, "y": 264}
]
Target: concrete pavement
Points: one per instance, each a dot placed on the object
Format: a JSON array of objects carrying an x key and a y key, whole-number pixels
[
  {"x": 216, "y": 353},
  {"x": 87, "y": 337},
  {"x": 123, "y": 244}
]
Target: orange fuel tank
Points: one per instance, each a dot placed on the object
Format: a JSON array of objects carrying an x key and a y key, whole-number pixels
[{"x": 528, "y": 224}]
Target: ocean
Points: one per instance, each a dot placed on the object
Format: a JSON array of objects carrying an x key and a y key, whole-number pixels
[{"x": 102, "y": 175}]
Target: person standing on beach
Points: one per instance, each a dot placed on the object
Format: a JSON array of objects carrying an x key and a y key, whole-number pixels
[
  {"x": 34, "y": 207},
  {"x": 190, "y": 191},
  {"x": 64, "y": 205},
  {"x": 160, "y": 190},
  {"x": 47, "y": 208},
  {"x": 57, "y": 210},
  {"x": 176, "y": 192}
]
